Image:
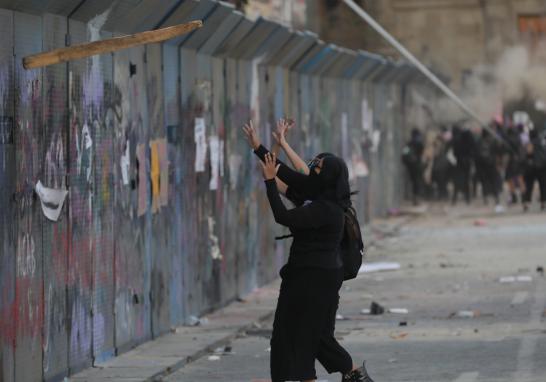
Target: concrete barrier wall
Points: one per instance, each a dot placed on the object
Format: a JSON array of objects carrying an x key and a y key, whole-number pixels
[{"x": 146, "y": 239}]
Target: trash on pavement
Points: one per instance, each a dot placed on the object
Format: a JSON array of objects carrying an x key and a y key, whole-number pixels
[
  {"x": 196, "y": 321},
  {"x": 398, "y": 336},
  {"x": 398, "y": 310},
  {"x": 379, "y": 267},
  {"x": 223, "y": 350},
  {"x": 466, "y": 314},
  {"x": 513, "y": 279},
  {"x": 376, "y": 309},
  {"x": 403, "y": 323},
  {"x": 365, "y": 311},
  {"x": 480, "y": 223},
  {"x": 214, "y": 358},
  {"x": 540, "y": 269}
]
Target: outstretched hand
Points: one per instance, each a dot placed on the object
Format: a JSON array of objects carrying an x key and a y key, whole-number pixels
[
  {"x": 283, "y": 126},
  {"x": 270, "y": 167},
  {"x": 251, "y": 135}
]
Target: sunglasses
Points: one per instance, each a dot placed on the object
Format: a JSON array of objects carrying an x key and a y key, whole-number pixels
[{"x": 314, "y": 163}]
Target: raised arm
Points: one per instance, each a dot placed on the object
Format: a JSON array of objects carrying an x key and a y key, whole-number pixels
[
  {"x": 308, "y": 216},
  {"x": 289, "y": 177},
  {"x": 283, "y": 125}
]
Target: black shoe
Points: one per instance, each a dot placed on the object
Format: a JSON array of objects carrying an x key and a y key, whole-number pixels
[{"x": 358, "y": 375}]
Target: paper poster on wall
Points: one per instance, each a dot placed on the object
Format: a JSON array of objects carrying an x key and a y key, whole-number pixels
[
  {"x": 255, "y": 94},
  {"x": 376, "y": 140},
  {"x": 142, "y": 180},
  {"x": 124, "y": 164},
  {"x": 367, "y": 116},
  {"x": 214, "y": 146},
  {"x": 52, "y": 200},
  {"x": 200, "y": 144}
]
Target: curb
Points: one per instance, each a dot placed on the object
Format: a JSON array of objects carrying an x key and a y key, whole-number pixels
[{"x": 204, "y": 351}]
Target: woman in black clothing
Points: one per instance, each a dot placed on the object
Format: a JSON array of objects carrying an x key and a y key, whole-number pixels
[{"x": 303, "y": 329}]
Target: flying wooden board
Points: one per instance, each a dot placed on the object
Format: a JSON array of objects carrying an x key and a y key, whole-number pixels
[{"x": 109, "y": 45}]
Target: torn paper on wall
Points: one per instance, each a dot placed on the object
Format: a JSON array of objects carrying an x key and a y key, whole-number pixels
[
  {"x": 367, "y": 116},
  {"x": 255, "y": 94},
  {"x": 200, "y": 144},
  {"x": 124, "y": 164},
  {"x": 213, "y": 240},
  {"x": 52, "y": 200},
  {"x": 214, "y": 161}
]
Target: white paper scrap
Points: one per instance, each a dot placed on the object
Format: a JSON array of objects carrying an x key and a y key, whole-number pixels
[
  {"x": 398, "y": 311},
  {"x": 214, "y": 161},
  {"x": 124, "y": 163},
  {"x": 378, "y": 267},
  {"x": 52, "y": 200},
  {"x": 200, "y": 144}
]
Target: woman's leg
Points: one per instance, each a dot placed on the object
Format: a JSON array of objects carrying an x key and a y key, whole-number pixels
[{"x": 330, "y": 353}]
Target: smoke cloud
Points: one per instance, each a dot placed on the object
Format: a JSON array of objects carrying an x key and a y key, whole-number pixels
[{"x": 519, "y": 73}]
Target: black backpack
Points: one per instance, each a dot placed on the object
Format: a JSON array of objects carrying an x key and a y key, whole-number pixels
[{"x": 352, "y": 246}]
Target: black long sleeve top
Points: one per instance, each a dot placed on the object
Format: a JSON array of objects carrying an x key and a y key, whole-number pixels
[{"x": 317, "y": 228}]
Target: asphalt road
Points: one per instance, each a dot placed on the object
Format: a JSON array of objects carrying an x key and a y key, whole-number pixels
[{"x": 451, "y": 261}]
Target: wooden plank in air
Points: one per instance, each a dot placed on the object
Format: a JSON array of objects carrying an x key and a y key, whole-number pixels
[{"x": 109, "y": 45}]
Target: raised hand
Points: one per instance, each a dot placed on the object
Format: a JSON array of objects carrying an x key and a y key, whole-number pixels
[
  {"x": 251, "y": 135},
  {"x": 283, "y": 125},
  {"x": 270, "y": 167}
]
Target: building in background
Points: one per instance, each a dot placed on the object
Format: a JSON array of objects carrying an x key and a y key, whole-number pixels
[
  {"x": 453, "y": 37},
  {"x": 290, "y": 13}
]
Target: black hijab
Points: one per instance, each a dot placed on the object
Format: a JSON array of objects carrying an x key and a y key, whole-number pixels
[{"x": 332, "y": 183}]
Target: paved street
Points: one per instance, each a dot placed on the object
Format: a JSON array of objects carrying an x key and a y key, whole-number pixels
[{"x": 452, "y": 261}]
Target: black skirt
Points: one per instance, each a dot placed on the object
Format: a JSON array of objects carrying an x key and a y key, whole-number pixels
[{"x": 303, "y": 329}]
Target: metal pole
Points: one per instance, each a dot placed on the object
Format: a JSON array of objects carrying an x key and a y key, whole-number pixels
[{"x": 411, "y": 58}]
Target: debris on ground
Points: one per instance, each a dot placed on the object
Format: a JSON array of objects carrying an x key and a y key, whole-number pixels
[
  {"x": 196, "y": 321},
  {"x": 513, "y": 279},
  {"x": 403, "y": 323},
  {"x": 365, "y": 311},
  {"x": 376, "y": 309},
  {"x": 340, "y": 317},
  {"x": 379, "y": 267},
  {"x": 214, "y": 358},
  {"x": 398, "y": 336},
  {"x": 257, "y": 325},
  {"x": 466, "y": 314},
  {"x": 398, "y": 311},
  {"x": 540, "y": 269},
  {"x": 226, "y": 350},
  {"x": 480, "y": 223}
]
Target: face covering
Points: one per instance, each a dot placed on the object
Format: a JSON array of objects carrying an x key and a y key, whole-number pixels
[{"x": 332, "y": 183}]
